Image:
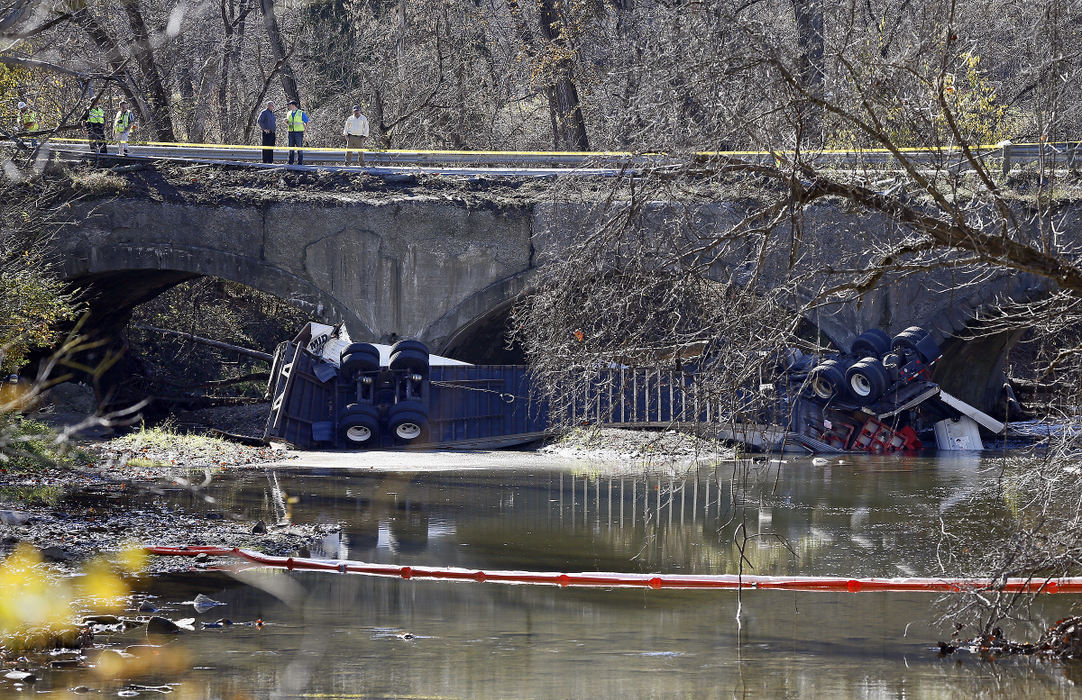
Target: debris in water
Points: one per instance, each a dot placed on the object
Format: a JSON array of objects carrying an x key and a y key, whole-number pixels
[
  {"x": 204, "y": 603},
  {"x": 223, "y": 622},
  {"x": 150, "y": 688},
  {"x": 1062, "y": 640},
  {"x": 21, "y": 676},
  {"x": 161, "y": 625}
]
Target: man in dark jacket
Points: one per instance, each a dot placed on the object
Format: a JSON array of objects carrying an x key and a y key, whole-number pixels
[{"x": 267, "y": 124}]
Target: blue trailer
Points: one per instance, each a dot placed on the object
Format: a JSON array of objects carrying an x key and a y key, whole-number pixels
[{"x": 328, "y": 392}]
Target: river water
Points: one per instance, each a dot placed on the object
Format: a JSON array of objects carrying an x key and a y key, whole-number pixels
[{"x": 346, "y": 636}]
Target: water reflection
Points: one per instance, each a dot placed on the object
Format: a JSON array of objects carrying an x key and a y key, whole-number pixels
[
  {"x": 876, "y": 516},
  {"x": 346, "y": 636}
]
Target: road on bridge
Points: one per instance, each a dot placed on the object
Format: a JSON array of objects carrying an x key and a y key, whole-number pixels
[{"x": 557, "y": 163}]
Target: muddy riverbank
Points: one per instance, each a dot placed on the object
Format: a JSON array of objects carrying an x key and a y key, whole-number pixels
[{"x": 112, "y": 494}]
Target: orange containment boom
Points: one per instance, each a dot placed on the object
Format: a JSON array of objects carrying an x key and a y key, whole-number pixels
[{"x": 604, "y": 579}]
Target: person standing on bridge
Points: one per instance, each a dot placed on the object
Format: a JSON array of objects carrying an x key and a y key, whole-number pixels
[
  {"x": 296, "y": 119},
  {"x": 28, "y": 121},
  {"x": 94, "y": 118},
  {"x": 267, "y": 123},
  {"x": 123, "y": 125},
  {"x": 355, "y": 131}
]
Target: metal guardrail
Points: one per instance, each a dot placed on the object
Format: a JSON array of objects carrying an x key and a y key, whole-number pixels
[{"x": 1007, "y": 154}]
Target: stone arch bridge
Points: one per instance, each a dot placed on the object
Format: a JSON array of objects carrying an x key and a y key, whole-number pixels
[{"x": 440, "y": 269}]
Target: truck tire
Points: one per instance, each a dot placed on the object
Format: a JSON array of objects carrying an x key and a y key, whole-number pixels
[
  {"x": 827, "y": 379},
  {"x": 359, "y": 425},
  {"x": 360, "y": 347},
  {"x": 409, "y": 345},
  {"x": 916, "y": 340},
  {"x": 360, "y": 357},
  {"x": 871, "y": 343},
  {"x": 409, "y": 358},
  {"x": 366, "y": 409},
  {"x": 867, "y": 379},
  {"x": 407, "y": 422}
]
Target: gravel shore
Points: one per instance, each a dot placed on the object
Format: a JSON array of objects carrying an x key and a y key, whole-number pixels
[
  {"x": 116, "y": 499},
  {"x": 643, "y": 447}
]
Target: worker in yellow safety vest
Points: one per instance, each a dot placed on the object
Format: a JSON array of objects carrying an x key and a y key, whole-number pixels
[
  {"x": 94, "y": 119},
  {"x": 123, "y": 125},
  {"x": 28, "y": 121},
  {"x": 296, "y": 119}
]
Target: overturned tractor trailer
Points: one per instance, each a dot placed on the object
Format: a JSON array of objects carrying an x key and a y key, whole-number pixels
[
  {"x": 327, "y": 391},
  {"x": 879, "y": 398}
]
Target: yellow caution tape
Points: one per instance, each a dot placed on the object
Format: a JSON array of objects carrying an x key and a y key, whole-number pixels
[{"x": 580, "y": 154}]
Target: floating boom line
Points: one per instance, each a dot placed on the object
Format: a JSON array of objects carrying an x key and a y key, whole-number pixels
[{"x": 605, "y": 579}]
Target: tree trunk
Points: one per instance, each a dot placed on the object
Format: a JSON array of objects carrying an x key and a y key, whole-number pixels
[
  {"x": 379, "y": 119},
  {"x": 205, "y": 88},
  {"x": 161, "y": 121},
  {"x": 274, "y": 35},
  {"x": 569, "y": 127},
  {"x": 113, "y": 57},
  {"x": 400, "y": 42},
  {"x": 810, "y": 69},
  {"x": 186, "y": 87}
]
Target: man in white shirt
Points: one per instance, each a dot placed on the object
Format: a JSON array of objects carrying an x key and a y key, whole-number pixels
[{"x": 355, "y": 131}]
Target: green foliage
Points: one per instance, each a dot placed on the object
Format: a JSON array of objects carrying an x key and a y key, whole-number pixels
[
  {"x": 46, "y": 495},
  {"x": 50, "y": 95},
  {"x": 974, "y": 103},
  {"x": 34, "y": 304},
  {"x": 31, "y": 445},
  {"x": 166, "y": 439}
]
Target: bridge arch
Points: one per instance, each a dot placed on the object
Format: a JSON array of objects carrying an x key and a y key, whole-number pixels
[
  {"x": 454, "y": 332},
  {"x": 115, "y": 279}
]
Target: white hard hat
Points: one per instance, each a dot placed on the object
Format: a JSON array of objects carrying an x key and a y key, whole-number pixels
[{"x": 22, "y": 105}]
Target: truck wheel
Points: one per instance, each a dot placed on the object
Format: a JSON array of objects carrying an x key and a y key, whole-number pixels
[
  {"x": 827, "y": 379},
  {"x": 364, "y": 409},
  {"x": 409, "y": 345},
  {"x": 407, "y": 421},
  {"x": 360, "y": 347},
  {"x": 917, "y": 341},
  {"x": 360, "y": 357},
  {"x": 871, "y": 343},
  {"x": 409, "y": 358},
  {"x": 867, "y": 380},
  {"x": 408, "y": 427},
  {"x": 359, "y": 429}
]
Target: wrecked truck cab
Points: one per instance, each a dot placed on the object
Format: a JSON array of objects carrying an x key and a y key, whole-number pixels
[{"x": 879, "y": 398}]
